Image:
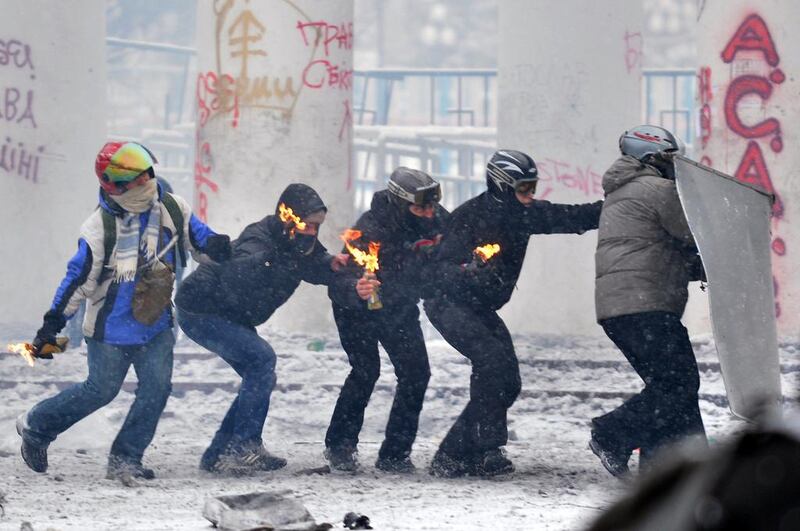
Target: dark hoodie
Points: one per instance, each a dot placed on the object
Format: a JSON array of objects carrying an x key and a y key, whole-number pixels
[
  {"x": 264, "y": 270},
  {"x": 402, "y": 264},
  {"x": 483, "y": 220},
  {"x": 643, "y": 243}
]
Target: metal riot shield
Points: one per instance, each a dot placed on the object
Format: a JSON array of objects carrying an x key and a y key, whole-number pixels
[{"x": 730, "y": 222}]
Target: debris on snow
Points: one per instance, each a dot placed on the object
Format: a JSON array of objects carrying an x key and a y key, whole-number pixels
[{"x": 260, "y": 510}]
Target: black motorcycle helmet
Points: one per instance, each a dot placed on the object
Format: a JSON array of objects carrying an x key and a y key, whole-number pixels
[
  {"x": 412, "y": 187},
  {"x": 507, "y": 170}
]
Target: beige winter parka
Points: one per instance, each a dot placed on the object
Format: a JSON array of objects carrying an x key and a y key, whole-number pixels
[{"x": 643, "y": 243}]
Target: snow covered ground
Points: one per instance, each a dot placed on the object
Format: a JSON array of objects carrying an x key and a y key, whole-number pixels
[{"x": 558, "y": 484}]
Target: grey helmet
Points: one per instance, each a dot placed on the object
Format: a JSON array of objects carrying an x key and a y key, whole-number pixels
[
  {"x": 644, "y": 141},
  {"x": 413, "y": 187},
  {"x": 506, "y": 170}
]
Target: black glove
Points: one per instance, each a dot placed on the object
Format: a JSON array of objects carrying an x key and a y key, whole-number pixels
[
  {"x": 52, "y": 325},
  {"x": 218, "y": 247}
]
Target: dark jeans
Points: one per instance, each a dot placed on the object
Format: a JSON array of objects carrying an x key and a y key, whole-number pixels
[
  {"x": 108, "y": 365},
  {"x": 398, "y": 330},
  {"x": 253, "y": 359},
  {"x": 657, "y": 346},
  {"x": 481, "y": 336}
]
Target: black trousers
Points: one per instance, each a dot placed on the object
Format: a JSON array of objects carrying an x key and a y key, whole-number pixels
[
  {"x": 657, "y": 346},
  {"x": 495, "y": 383},
  {"x": 398, "y": 330}
]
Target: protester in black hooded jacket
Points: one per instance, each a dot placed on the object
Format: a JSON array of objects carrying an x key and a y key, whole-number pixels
[
  {"x": 219, "y": 306},
  {"x": 406, "y": 220},
  {"x": 471, "y": 290}
]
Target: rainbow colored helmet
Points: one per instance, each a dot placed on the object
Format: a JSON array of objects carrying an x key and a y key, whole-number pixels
[{"x": 119, "y": 164}]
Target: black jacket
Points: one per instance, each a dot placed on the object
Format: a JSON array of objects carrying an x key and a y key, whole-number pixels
[
  {"x": 402, "y": 264},
  {"x": 263, "y": 272},
  {"x": 483, "y": 220}
]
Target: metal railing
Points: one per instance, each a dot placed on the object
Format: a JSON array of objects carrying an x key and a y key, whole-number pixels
[{"x": 456, "y": 97}]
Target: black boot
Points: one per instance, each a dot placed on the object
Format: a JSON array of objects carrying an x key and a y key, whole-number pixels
[
  {"x": 396, "y": 465},
  {"x": 342, "y": 458},
  {"x": 34, "y": 456},
  {"x": 615, "y": 460},
  {"x": 494, "y": 463},
  {"x": 444, "y": 465}
]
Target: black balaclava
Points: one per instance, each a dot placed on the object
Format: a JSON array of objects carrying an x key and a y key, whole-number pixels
[{"x": 304, "y": 201}]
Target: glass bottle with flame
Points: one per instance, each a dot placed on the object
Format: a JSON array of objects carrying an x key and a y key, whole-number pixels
[
  {"x": 484, "y": 253},
  {"x": 286, "y": 214},
  {"x": 367, "y": 260}
]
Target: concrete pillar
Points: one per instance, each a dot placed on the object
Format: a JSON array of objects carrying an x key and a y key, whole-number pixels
[
  {"x": 748, "y": 87},
  {"x": 569, "y": 82},
  {"x": 52, "y": 122},
  {"x": 274, "y": 107}
]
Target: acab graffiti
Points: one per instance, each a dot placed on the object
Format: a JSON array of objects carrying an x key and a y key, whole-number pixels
[{"x": 755, "y": 65}]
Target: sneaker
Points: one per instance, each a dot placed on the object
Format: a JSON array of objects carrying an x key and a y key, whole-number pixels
[
  {"x": 246, "y": 460},
  {"x": 120, "y": 468},
  {"x": 494, "y": 463},
  {"x": 396, "y": 465},
  {"x": 34, "y": 456},
  {"x": 615, "y": 461},
  {"x": 446, "y": 466},
  {"x": 342, "y": 459},
  {"x": 268, "y": 461}
]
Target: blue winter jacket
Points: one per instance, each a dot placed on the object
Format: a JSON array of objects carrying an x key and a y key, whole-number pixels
[{"x": 109, "y": 316}]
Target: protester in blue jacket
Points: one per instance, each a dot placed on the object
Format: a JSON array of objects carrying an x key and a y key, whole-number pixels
[{"x": 135, "y": 234}]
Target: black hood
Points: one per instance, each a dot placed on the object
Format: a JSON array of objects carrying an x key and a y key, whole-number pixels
[{"x": 302, "y": 199}]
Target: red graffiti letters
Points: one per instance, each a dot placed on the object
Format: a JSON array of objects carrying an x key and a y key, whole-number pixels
[
  {"x": 633, "y": 51},
  {"x": 322, "y": 73},
  {"x": 740, "y": 87},
  {"x": 752, "y": 34},
  {"x": 753, "y": 170},
  {"x": 342, "y": 35}
]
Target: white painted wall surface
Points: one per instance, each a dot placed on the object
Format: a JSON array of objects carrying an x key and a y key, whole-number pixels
[
  {"x": 749, "y": 83},
  {"x": 569, "y": 78},
  {"x": 52, "y": 123},
  {"x": 274, "y": 107}
]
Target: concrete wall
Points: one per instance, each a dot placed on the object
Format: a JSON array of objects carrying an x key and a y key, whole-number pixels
[
  {"x": 750, "y": 118},
  {"x": 274, "y": 107},
  {"x": 569, "y": 78},
  {"x": 52, "y": 122}
]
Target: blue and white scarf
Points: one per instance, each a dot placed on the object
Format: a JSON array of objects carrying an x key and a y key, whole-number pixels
[{"x": 135, "y": 202}]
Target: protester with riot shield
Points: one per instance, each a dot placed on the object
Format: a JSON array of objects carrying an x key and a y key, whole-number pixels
[
  {"x": 644, "y": 261},
  {"x": 478, "y": 264},
  {"x": 219, "y": 306},
  {"x": 405, "y": 221},
  {"x": 124, "y": 268}
]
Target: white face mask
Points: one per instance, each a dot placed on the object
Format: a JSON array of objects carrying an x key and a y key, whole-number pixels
[{"x": 138, "y": 199}]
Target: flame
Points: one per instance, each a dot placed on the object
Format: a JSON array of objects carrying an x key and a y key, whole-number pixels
[
  {"x": 23, "y": 349},
  {"x": 286, "y": 214},
  {"x": 485, "y": 252},
  {"x": 369, "y": 261}
]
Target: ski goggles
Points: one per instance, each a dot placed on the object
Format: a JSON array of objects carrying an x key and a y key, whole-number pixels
[
  {"x": 423, "y": 195},
  {"x": 527, "y": 187}
]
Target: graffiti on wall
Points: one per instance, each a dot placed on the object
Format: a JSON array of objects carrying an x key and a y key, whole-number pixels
[
  {"x": 17, "y": 111},
  {"x": 633, "y": 51},
  {"x": 252, "y": 74},
  {"x": 570, "y": 176},
  {"x": 755, "y": 74}
]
